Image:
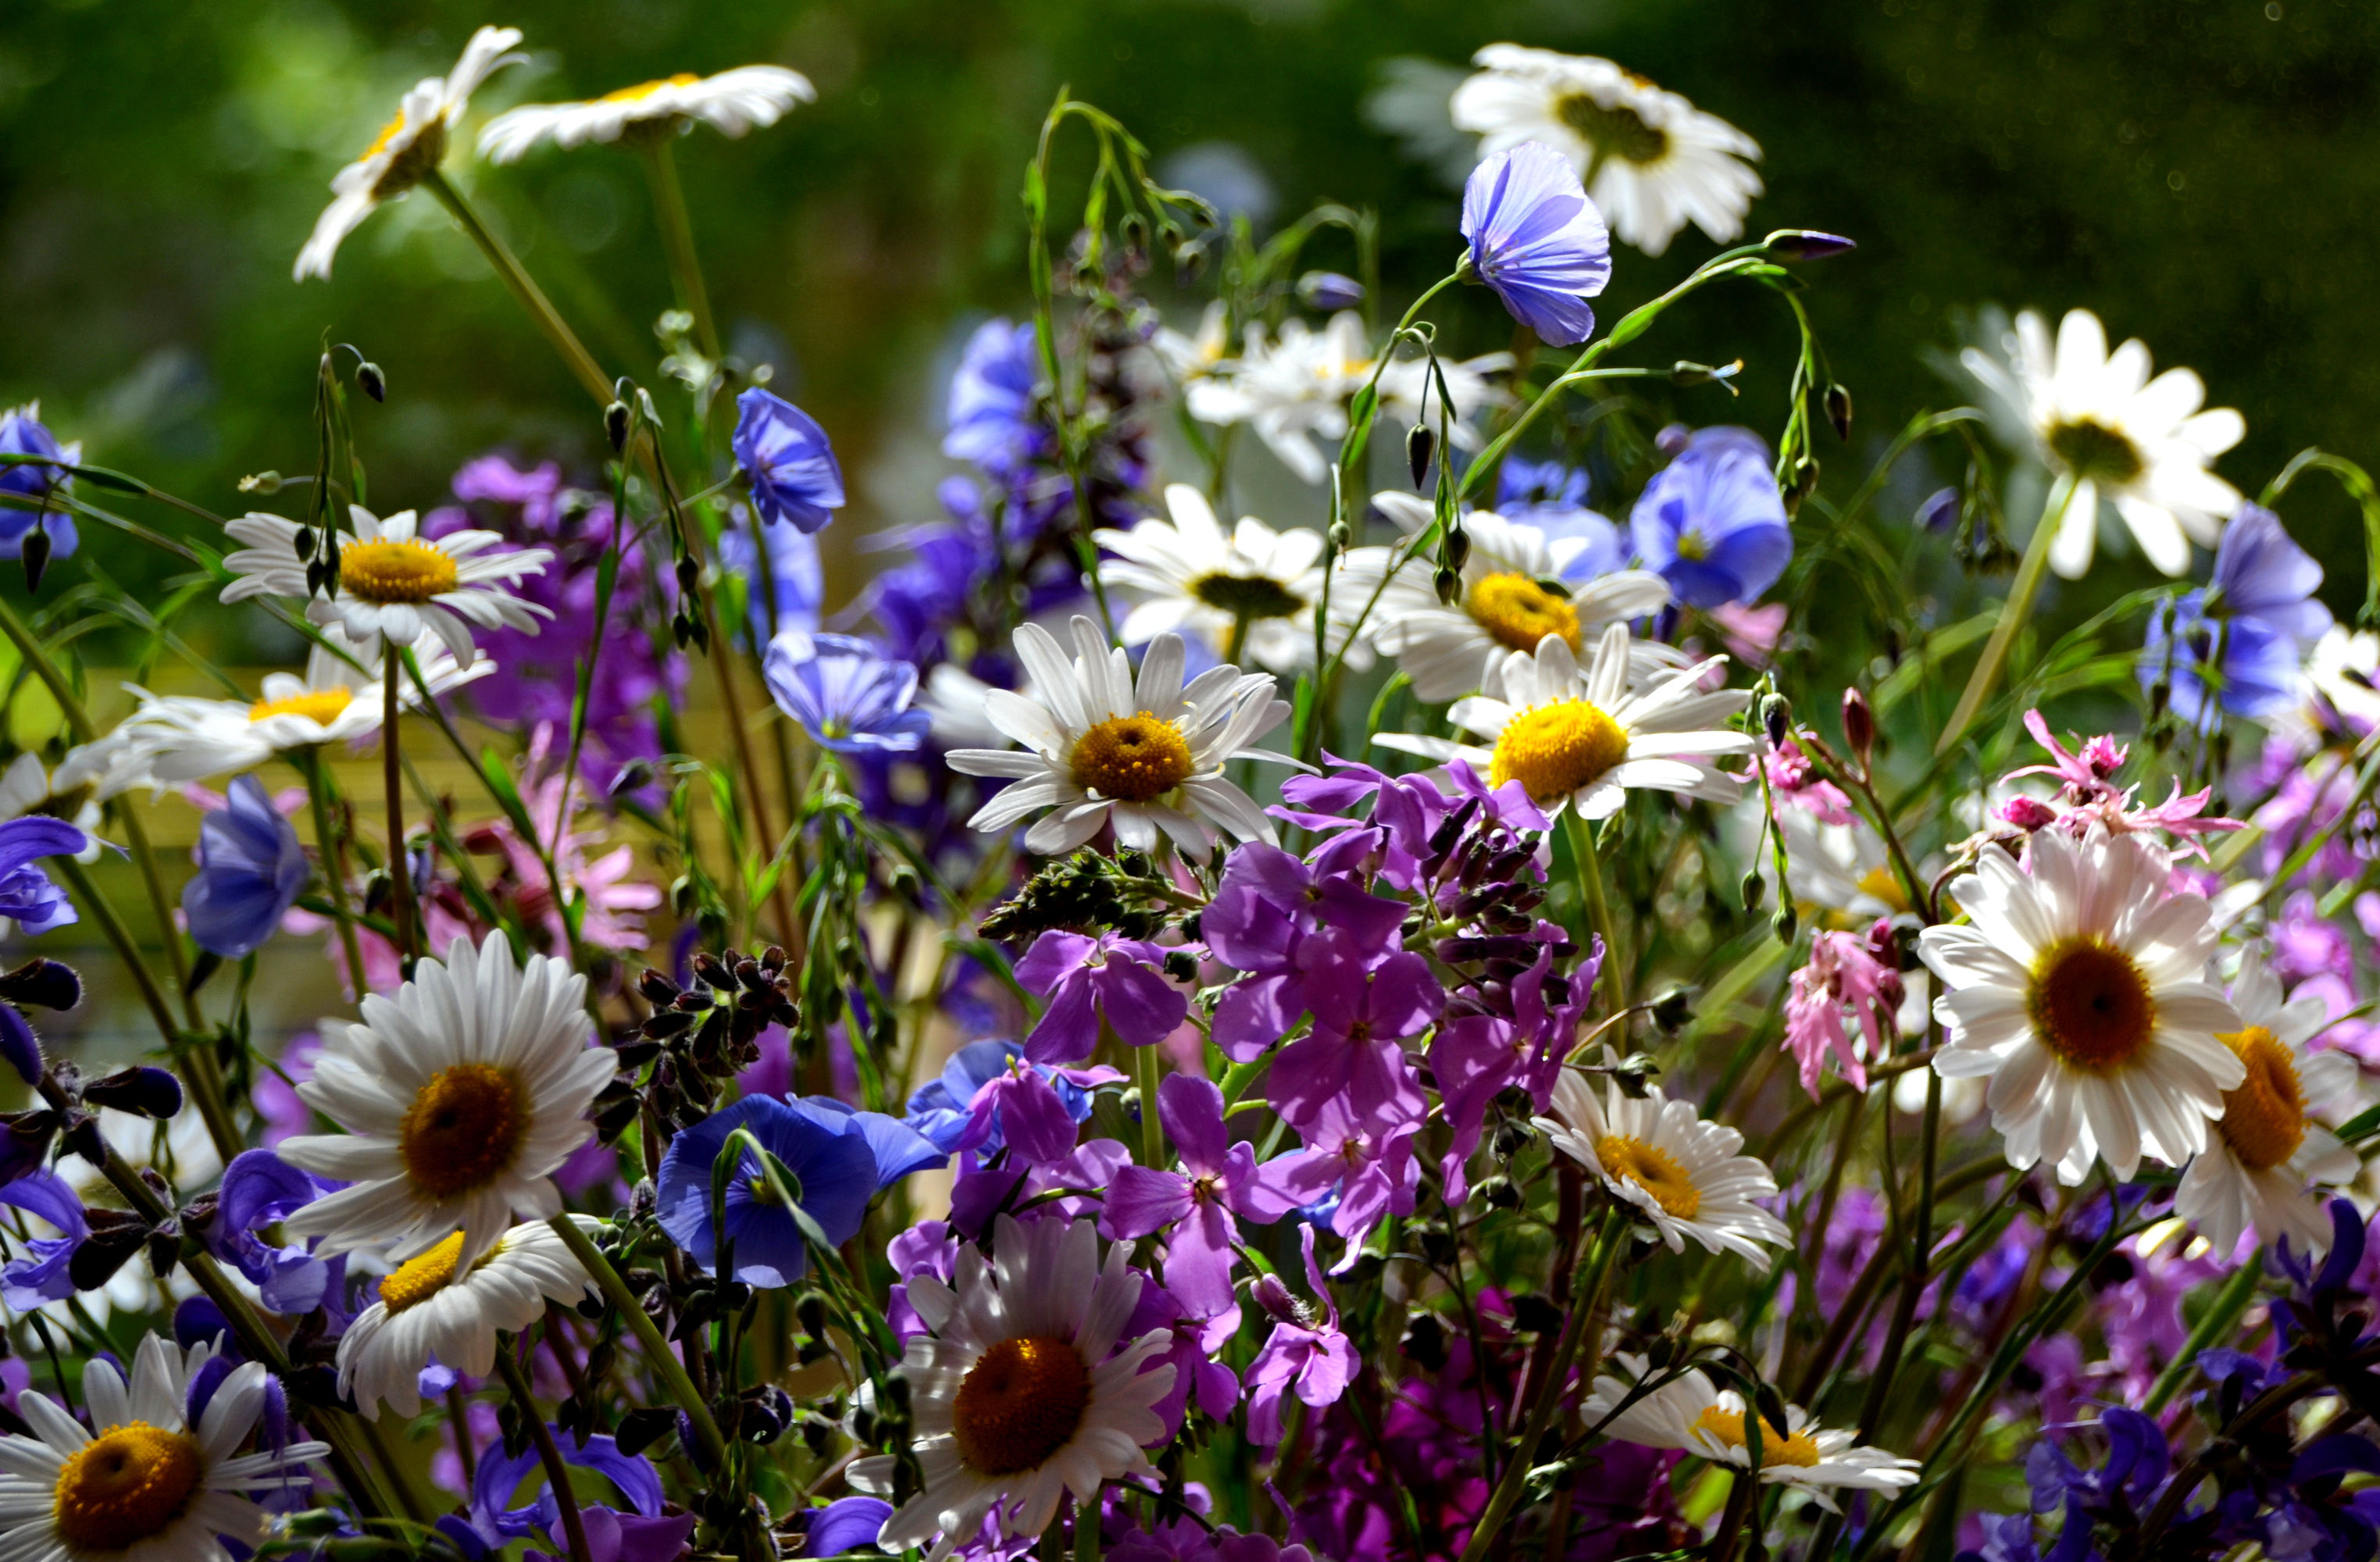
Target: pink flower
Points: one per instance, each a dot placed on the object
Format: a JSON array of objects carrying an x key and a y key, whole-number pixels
[
  {"x": 1306, "y": 1353},
  {"x": 1793, "y": 781},
  {"x": 1846, "y": 970}
]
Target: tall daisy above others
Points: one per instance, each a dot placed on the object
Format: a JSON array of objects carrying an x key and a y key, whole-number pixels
[
  {"x": 395, "y": 585},
  {"x": 732, "y": 102}
]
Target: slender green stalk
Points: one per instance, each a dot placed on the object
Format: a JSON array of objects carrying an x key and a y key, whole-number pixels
[
  {"x": 1598, "y": 908},
  {"x": 1152, "y": 1132},
  {"x": 658, "y": 1353},
  {"x": 334, "y": 875},
  {"x": 677, "y": 237},
  {"x": 400, "y": 865},
  {"x": 2013, "y": 614},
  {"x": 557, "y": 1474},
  {"x": 2224, "y": 1311},
  {"x": 532, "y": 298}
]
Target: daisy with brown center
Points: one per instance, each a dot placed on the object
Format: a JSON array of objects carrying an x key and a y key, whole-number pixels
[
  {"x": 1511, "y": 597},
  {"x": 1248, "y": 593},
  {"x": 1100, "y": 748},
  {"x": 1024, "y": 1392},
  {"x": 460, "y": 1096},
  {"x": 407, "y": 151},
  {"x": 1682, "y": 1175},
  {"x": 1689, "y": 1412},
  {"x": 732, "y": 102},
  {"x": 395, "y": 585},
  {"x": 1651, "y": 160},
  {"x": 1580, "y": 738},
  {"x": 143, "y": 1484},
  {"x": 2272, "y": 1147},
  {"x": 2080, "y": 991},
  {"x": 434, "y": 1306}
]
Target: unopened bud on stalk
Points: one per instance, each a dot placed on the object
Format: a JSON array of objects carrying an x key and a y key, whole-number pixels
[
  {"x": 1859, "y": 727},
  {"x": 689, "y": 576},
  {"x": 1806, "y": 244},
  {"x": 1343, "y": 537},
  {"x": 1755, "y": 890},
  {"x": 1420, "y": 445},
  {"x": 1785, "y": 924},
  {"x": 36, "y": 556},
  {"x": 1838, "y": 411},
  {"x": 615, "y": 426},
  {"x": 304, "y": 543},
  {"x": 370, "y": 380},
  {"x": 1458, "y": 546},
  {"x": 1328, "y": 290},
  {"x": 1806, "y": 478},
  {"x": 261, "y": 482},
  {"x": 1777, "y": 719},
  {"x": 1450, "y": 585}
]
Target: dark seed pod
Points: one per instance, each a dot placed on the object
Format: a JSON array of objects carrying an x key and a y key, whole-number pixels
[
  {"x": 36, "y": 555},
  {"x": 1859, "y": 727},
  {"x": 373, "y": 382},
  {"x": 615, "y": 426},
  {"x": 1838, "y": 411},
  {"x": 1420, "y": 445}
]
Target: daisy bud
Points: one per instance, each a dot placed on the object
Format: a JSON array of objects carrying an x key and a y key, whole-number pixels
[
  {"x": 615, "y": 426},
  {"x": 1420, "y": 445},
  {"x": 36, "y": 555},
  {"x": 370, "y": 380},
  {"x": 1859, "y": 727},
  {"x": 1838, "y": 411}
]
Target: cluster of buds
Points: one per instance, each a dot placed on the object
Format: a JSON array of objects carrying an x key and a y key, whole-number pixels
[{"x": 698, "y": 1038}]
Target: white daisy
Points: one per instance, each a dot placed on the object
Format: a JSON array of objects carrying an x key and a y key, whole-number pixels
[
  {"x": 1584, "y": 739},
  {"x": 1409, "y": 394},
  {"x": 408, "y": 150},
  {"x": 1681, "y": 1174},
  {"x": 394, "y": 583},
  {"x": 171, "y": 740},
  {"x": 1097, "y": 746},
  {"x": 1448, "y": 650},
  {"x": 1189, "y": 358},
  {"x": 426, "y": 1309},
  {"x": 2080, "y": 991},
  {"x": 460, "y": 1096},
  {"x": 2141, "y": 444},
  {"x": 752, "y": 96},
  {"x": 2271, "y": 1142},
  {"x": 1022, "y": 1393},
  {"x": 2342, "y": 673},
  {"x": 1187, "y": 575},
  {"x": 143, "y": 1484},
  {"x": 1841, "y": 868},
  {"x": 1291, "y": 391},
  {"x": 1651, "y": 159},
  {"x": 1690, "y": 1413}
]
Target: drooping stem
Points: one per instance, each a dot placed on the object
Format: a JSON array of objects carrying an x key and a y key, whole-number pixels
[
  {"x": 678, "y": 238},
  {"x": 557, "y": 1474},
  {"x": 532, "y": 298},
  {"x": 2013, "y": 614},
  {"x": 400, "y": 866},
  {"x": 657, "y": 1350}
]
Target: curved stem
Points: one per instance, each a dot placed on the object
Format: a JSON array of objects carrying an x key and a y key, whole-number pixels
[
  {"x": 2013, "y": 614},
  {"x": 657, "y": 1351},
  {"x": 557, "y": 1474}
]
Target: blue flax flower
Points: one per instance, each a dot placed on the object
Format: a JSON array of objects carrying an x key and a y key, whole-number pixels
[
  {"x": 848, "y": 696},
  {"x": 1552, "y": 498},
  {"x": 28, "y": 487},
  {"x": 258, "y": 1189},
  {"x": 26, "y": 896},
  {"x": 640, "y": 1532},
  {"x": 250, "y": 870},
  {"x": 1537, "y": 240},
  {"x": 993, "y": 394},
  {"x": 2251, "y": 622},
  {"x": 788, "y": 460},
  {"x": 1712, "y": 521},
  {"x": 26, "y": 1283}
]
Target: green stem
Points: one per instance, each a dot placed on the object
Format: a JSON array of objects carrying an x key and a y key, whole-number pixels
[
  {"x": 557, "y": 1474},
  {"x": 2013, "y": 614},
  {"x": 678, "y": 238},
  {"x": 309, "y": 761},
  {"x": 1598, "y": 909},
  {"x": 2224, "y": 1311},
  {"x": 1152, "y": 1132},
  {"x": 657, "y": 1350},
  {"x": 400, "y": 863},
  {"x": 532, "y": 298}
]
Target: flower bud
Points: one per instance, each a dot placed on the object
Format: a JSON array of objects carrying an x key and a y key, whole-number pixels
[
  {"x": 1940, "y": 512},
  {"x": 1785, "y": 924},
  {"x": 1343, "y": 537},
  {"x": 1449, "y": 584},
  {"x": 1859, "y": 727},
  {"x": 615, "y": 426},
  {"x": 1755, "y": 890},
  {"x": 1458, "y": 546},
  {"x": 261, "y": 482},
  {"x": 1806, "y": 244},
  {"x": 1777, "y": 719},
  {"x": 370, "y": 380},
  {"x": 1672, "y": 438},
  {"x": 1328, "y": 290},
  {"x": 36, "y": 556},
  {"x": 1838, "y": 411},
  {"x": 1420, "y": 445}
]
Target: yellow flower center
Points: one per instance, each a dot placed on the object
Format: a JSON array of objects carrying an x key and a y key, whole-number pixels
[
  {"x": 418, "y": 1279},
  {"x": 1519, "y": 612},
  {"x": 321, "y": 707},
  {"x": 1776, "y": 1449},
  {"x": 463, "y": 1129},
  {"x": 647, "y": 88},
  {"x": 408, "y": 164},
  {"x": 1020, "y": 1403},
  {"x": 1611, "y": 130},
  {"x": 2090, "y": 449},
  {"x": 1879, "y": 884},
  {"x": 1131, "y": 758},
  {"x": 2264, "y": 1120},
  {"x": 1552, "y": 750},
  {"x": 2090, "y": 1003},
  {"x": 125, "y": 1485},
  {"x": 410, "y": 571},
  {"x": 1693, "y": 546},
  {"x": 387, "y": 134},
  {"x": 1652, "y": 1169}
]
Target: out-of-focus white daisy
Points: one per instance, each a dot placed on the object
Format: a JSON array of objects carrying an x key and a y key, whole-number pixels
[
  {"x": 1683, "y": 1175},
  {"x": 408, "y": 150},
  {"x": 2142, "y": 444},
  {"x": 1025, "y": 1391},
  {"x": 143, "y": 1485},
  {"x": 1651, "y": 160},
  {"x": 732, "y": 102},
  {"x": 1690, "y": 1413},
  {"x": 1841, "y": 868},
  {"x": 1188, "y": 575},
  {"x": 1192, "y": 357},
  {"x": 1149, "y": 755},
  {"x": 433, "y": 1307},
  {"x": 395, "y": 584},
  {"x": 1582, "y": 739},
  {"x": 1409, "y": 394},
  {"x": 1292, "y": 389},
  {"x": 2080, "y": 991},
  {"x": 1504, "y": 605},
  {"x": 460, "y": 1096},
  {"x": 72, "y": 794},
  {"x": 2342, "y": 684},
  {"x": 2272, "y": 1147}
]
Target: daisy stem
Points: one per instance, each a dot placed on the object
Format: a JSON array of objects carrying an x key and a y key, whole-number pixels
[
  {"x": 557, "y": 1474},
  {"x": 2013, "y": 614},
  {"x": 677, "y": 239},
  {"x": 530, "y": 296},
  {"x": 1152, "y": 1132},
  {"x": 1598, "y": 909},
  {"x": 657, "y": 1351},
  {"x": 400, "y": 867},
  {"x": 333, "y": 870},
  {"x": 2221, "y": 1315}
]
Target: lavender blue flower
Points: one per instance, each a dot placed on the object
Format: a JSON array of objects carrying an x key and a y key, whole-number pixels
[
  {"x": 27, "y": 488},
  {"x": 1552, "y": 498},
  {"x": 250, "y": 870},
  {"x": 832, "y": 1172},
  {"x": 788, "y": 460},
  {"x": 993, "y": 397},
  {"x": 2250, "y": 625},
  {"x": 1537, "y": 240},
  {"x": 1712, "y": 521},
  {"x": 26, "y": 1283},
  {"x": 787, "y": 559},
  {"x": 26, "y": 896},
  {"x": 641, "y": 1533},
  {"x": 847, "y": 695}
]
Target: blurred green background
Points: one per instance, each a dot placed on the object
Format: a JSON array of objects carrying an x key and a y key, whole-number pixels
[{"x": 2199, "y": 173}]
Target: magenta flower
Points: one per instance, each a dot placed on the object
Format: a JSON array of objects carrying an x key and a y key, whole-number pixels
[
  {"x": 1306, "y": 1354},
  {"x": 1088, "y": 980},
  {"x": 1793, "y": 784},
  {"x": 1371, "y": 1163},
  {"x": 1363, "y": 1006},
  {"x": 1479, "y": 1056},
  {"x": 1846, "y": 970},
  {"x": 1196, "y": 1342},
  {"x": 1268, "y": 903}
]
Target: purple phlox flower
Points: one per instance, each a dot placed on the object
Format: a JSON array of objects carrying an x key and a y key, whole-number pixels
[
  {"x": 1480, "y": 1052},
  {"x": 847, "y": 695},
  {"x": 1198, "y": 1339},
  {"x": 994, "y": 396},
  {"x": 1074, "y": 1185},
  {"x": 1793, "y": 782},
  {"x": 847, "y": 1524},
  {"x": 1712, "y": 522},
  {"x": 1090, "y": 981},
  {"x": 2252, "y": 624},
  {"x": 27, "y": 488},
  {"x": 2305, "y": 945},
  {"x": 258, "y": 1189},
  {"x": 833, "y": 1169},
  {"x": 250, "y": 870},
  {"x": 931, "y": 1247},
  {"x": 788, "y": 460},
  {"x": 26, "y": 896},
  {"x": 641, "y": 1532},
  {"x": 981, "y": 1100},
  {"x": 1369, "y": 1165},
  {"x": 1220, "y": 1180},
  {"x": 26, "y": 1283},
  {"x": 1845, "y": 971},
  {"x": 1537, "y": 240},
  {"x": 2309, "y": 799},
  {"x": 1364, "y": 1008},
  {"x": 1267, "y": 904},
  {"x": 1306, "y": 1353}
]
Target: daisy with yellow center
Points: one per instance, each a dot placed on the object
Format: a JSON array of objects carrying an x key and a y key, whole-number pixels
[
  {"x": 1580, "y": 738},
  {"x": 460, "y": 1096},
  {"x": 1650, "y": 160},
  {"x": 2079, "y": 991},
  {"x": 408, "y": 148},
  {"x": 433, "y": 1307},
  {"x": 1253, "y": 586},
  {"x": 1512, "y": 595},
  {"x": 732, "y": 103},
  {"x": 1025, "y": 1390},
  {"x": 1101, "y": 747},
  {"x": 1682, "y": 1175},
  {"x": 2273, "y": 1150},
  {"x": 1687, "y": 1411},
  {"x": 395, "y": 585},
  {"x": 1291, "y": 389},
  {"x": 143, "y": 1482}
]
